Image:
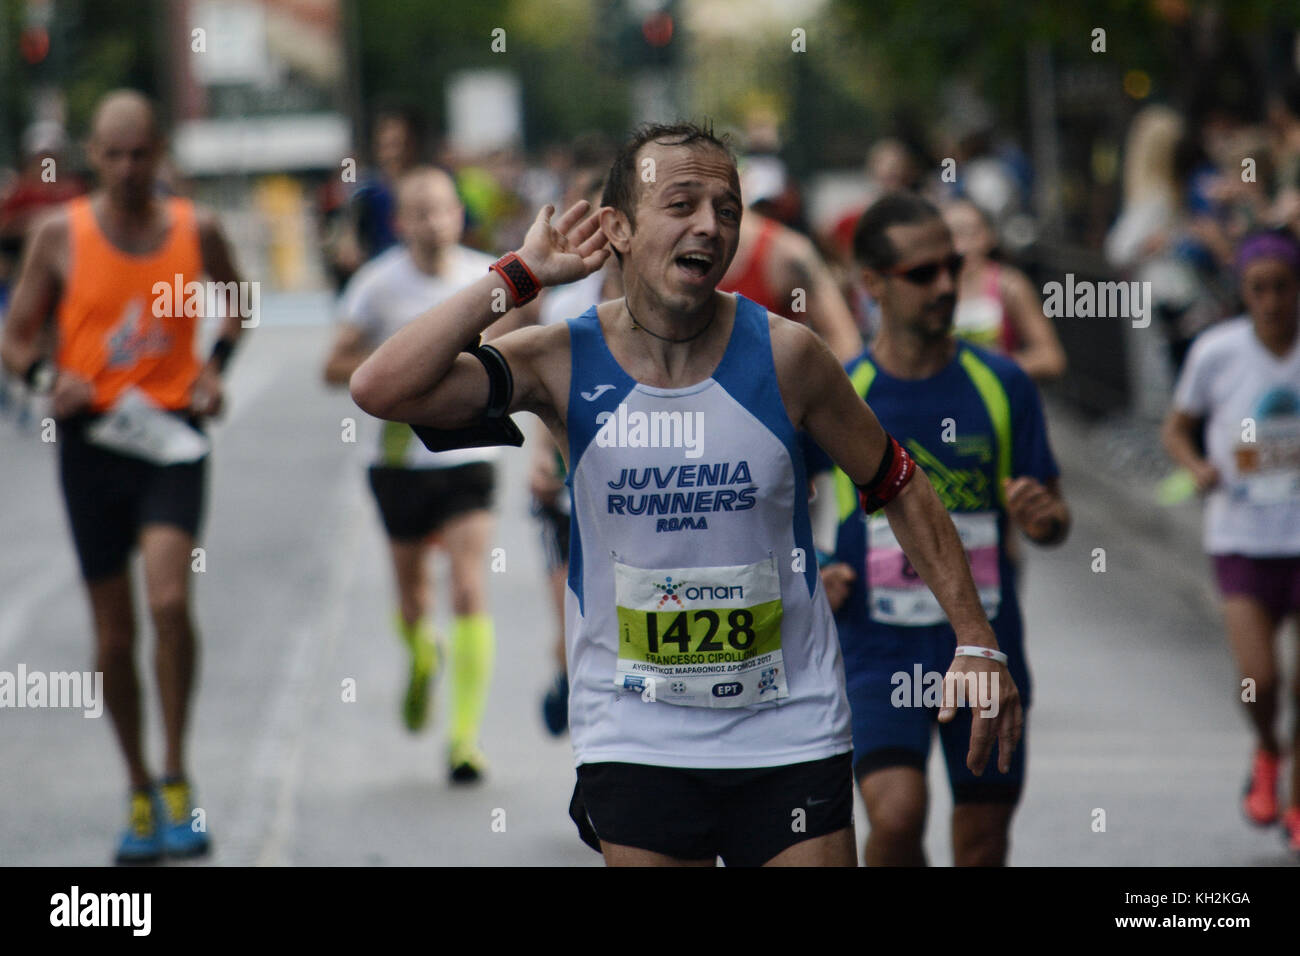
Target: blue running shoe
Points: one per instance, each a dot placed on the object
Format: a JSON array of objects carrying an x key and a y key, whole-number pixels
[
  {"x": 142, "y": 841},
  {"x": 555, "y": 705},
  {"x": 180, "y": 838}
]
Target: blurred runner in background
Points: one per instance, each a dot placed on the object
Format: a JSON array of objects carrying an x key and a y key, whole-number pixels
[
  {"x": 426, "y": 499},
  {"x": 366, "y": 228},
  {"x": 994, "y": 473},
  {"x": 94, "y": 264},
  {"x": 782, "y": 271},
  {"x": 1244, "y": 377},
  {"x": 997, "y": 307}
]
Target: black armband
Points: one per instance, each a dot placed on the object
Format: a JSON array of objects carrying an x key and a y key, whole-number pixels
[
  {"x": 496, "y": 427},
  {"x": 895, "y": 471},
  {"x": 222, "y": 349}
]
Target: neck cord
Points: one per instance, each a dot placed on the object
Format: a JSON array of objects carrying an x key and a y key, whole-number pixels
[{"x": 637, "y": 326}]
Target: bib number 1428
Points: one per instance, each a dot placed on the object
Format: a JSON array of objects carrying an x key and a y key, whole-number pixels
[{"x": 738, "y": 630}]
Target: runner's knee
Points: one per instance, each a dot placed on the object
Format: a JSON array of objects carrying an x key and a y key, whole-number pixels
[
  {"x": 169, "y": 610},
  {"x": 896, "y": 815},
  {"x": 114, "y": 647},
  {"x": 984, "y": 847}
]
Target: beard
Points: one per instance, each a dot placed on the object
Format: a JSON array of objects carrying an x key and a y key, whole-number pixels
[{"x": 935, "y": 321}]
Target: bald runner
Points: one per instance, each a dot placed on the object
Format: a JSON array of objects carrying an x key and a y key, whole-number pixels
[{"x": 92, "y": 264}]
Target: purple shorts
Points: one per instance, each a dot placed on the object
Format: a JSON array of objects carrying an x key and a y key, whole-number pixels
[{"x": 1274, "y": 582}]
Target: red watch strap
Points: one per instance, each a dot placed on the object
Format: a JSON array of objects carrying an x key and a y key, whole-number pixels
[{"x": 523, "y": 284}]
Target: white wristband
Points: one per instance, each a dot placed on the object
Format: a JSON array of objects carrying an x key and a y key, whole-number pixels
[{"x": 973, "y": 650}]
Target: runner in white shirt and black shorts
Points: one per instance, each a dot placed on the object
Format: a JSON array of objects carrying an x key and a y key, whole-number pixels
[{"x": 428, "y": 498}]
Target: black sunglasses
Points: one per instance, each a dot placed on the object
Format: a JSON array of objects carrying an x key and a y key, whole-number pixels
[{"x": 924, "y": 274}]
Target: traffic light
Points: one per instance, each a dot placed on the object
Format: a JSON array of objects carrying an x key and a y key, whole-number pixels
[
  {"x": 646, "y": 31},
  {"x": 34, "y": 41}
]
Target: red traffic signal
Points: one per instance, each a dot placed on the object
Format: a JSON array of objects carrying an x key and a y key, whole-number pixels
[
  {"x": 657, "y": 29},
  {"x": 34, "y": 44}
]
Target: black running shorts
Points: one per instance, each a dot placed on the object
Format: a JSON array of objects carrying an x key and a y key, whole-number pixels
[
  {"x": 415, "y": 502},
  {"x": 110, "y": 497},
  {"x": 744, "y": 816}
]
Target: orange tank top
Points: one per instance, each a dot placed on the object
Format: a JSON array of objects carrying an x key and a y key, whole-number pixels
[{"x": 117, "y": 328}]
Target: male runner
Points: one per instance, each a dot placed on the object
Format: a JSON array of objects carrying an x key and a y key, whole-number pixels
[
  {"x": 707, "y": 706},
  {"x": 94, "y": 263},
  {"x": 425, "y": 497},
  {"x": 973, "y": 420},
  {"x": 1244, "y": 376}
]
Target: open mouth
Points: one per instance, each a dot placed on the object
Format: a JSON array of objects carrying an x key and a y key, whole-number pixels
[{"x": 696, "y": 265}]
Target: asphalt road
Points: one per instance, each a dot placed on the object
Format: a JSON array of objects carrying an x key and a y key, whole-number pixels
[{"x": 1134, "y": 712}]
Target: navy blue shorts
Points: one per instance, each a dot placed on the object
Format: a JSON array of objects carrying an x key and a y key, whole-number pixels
[{"x": 891, "y": 730}]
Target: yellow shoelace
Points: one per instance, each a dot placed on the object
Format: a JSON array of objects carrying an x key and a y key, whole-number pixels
[
  {"x": 176, "y": 796},
  {"x": 141, "y": 814}
]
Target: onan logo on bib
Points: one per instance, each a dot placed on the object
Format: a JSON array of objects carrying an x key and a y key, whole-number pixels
[
  {"x": 729, "y": 689},
  {"x": 676, "y": 590}
]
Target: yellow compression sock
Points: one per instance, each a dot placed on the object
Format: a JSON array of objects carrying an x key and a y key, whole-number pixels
[
  {"x": 473, "y": 647},
  {"x": 420, "y": 639}
]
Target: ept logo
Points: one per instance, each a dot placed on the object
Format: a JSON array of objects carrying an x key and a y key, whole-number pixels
[{"x": 729, "y": 689}]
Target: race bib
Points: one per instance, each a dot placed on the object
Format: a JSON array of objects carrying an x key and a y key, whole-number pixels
[
  {"x": 1268, "y": 469},
  {"x": 700, "y": 637},
  {"x": 900, "y": 596},
  {"x": 139, "y": 429}
]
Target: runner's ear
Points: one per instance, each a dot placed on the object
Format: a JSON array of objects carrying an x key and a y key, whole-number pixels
[
  {"x": 617, "y": 230},
  {"x": 873, "y": 281}
]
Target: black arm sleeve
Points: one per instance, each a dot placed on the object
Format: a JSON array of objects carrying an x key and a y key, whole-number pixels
[{"x": 496, "y": 427}]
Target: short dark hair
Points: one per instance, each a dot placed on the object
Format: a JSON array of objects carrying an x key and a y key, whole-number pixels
[
  {"x": 871, "y": 247},
  {"x": 623, "y": 182}
]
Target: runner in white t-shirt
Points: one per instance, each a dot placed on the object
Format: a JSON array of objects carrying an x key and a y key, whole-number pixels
[
  {"x": 1243, "y": 379},
  {"x": 427, "y": 498}
]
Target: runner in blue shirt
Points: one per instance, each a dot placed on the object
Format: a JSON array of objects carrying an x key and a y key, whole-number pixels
[{"x": 973, "y": 421}]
